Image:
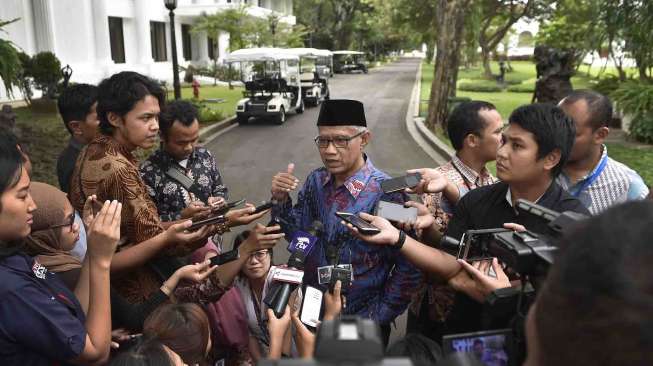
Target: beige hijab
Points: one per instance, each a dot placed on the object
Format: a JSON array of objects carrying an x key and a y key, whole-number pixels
[{"x": 43, "y": 242}]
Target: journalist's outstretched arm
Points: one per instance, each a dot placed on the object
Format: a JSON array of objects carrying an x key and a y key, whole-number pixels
[{"x": 424, "y": 257}]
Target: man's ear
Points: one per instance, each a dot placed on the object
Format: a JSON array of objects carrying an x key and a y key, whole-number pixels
[
  {"x": 114, "y": 119},
  {"x": 552, "y": 159},
  {"x": 74, "y": 128},
  {"x": 471, "y": 140},
  {"x": 600, "y": 135},
  {"x": 365, "y": 138}
]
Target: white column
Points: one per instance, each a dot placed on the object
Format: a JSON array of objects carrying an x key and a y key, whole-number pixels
[
  {"x": 179, "y": 37},
  {"x": 44, "y": 29},
  {"x": 223, "y": 45},
  {"x": 203, "y": 48},
  {"x": 100, "y": 25},
  {"x": 143, "y": 41}
]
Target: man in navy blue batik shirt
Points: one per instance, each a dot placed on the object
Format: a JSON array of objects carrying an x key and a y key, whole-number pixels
[{"x": 383, "y": 279}]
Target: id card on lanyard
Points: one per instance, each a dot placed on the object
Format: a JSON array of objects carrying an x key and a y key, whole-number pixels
[{"x": 592, "y": 178}]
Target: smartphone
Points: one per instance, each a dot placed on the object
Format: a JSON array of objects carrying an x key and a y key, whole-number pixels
[
  {"x": 396, "y": 212},
  {"x": 363, "y": 226},
  {"x": 208, "y": 221},
  {"x": 225, "y": 257},
  {"x": 344, "y": 276},
  {"x": 228, "y": 206},
  {"x": 401, "y": 183},
  {"x": 311, "y": 307},
  {"x": 264, "y": 206}
]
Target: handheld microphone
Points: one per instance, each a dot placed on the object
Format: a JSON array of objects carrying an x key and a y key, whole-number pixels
[{"x": 300, "y": 246}]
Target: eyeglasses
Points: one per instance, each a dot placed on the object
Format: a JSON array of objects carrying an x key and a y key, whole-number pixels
[
  {"x": 340, "y": 142},
  {"x": 260, "y": 255},
  {"x": 70, "y": 221}
]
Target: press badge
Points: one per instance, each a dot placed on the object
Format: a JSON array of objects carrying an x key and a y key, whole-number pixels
[
  {"x": 348, "y": 267},
  {"x": 324, "y": 274}
]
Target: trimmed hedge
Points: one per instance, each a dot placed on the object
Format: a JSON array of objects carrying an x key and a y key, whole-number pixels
[
  {"x": 480, "y": 86},
  {"x": 522, "y": 88}
]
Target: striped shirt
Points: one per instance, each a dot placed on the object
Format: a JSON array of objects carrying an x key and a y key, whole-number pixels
[{"x": 606, "y": 186}]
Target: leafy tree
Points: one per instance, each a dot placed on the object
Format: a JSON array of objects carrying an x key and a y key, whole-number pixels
[
  {"x": 498, "y": 16},
  {"x": 46, "y": 72},
  {"x": 574, "y": 27},
  {"x": 10, "y": 66}
]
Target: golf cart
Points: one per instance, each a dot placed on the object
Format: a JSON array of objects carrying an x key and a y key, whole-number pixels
[
  {"x": 324, "y": 63},
  {"x": 315, "y": 88},
  {"x": 349, "y": 61},
  {"x": 272, "y": 85}
]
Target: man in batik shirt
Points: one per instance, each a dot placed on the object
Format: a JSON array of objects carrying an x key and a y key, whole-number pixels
[
  {"x": 179, "y": 131},
  {"x": 474, "y": 129},
  {"x": 383, "y": 279}
]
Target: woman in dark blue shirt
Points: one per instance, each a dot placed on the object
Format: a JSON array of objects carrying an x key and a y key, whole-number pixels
[{"x": 41, "y": 321}]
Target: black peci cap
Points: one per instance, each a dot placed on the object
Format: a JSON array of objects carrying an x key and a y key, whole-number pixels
[{"x": 342, "y": 112}]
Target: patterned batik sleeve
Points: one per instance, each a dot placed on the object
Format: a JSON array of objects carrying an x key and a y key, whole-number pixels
[
  {"x": 299, "y": 215},
  {"x": 218, "y": 189},
  {"x": 404, "y": 279},
  {"x": 207, "y": 291}
]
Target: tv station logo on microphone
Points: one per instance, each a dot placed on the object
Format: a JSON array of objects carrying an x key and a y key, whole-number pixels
[{"x": 302, "y": 243}]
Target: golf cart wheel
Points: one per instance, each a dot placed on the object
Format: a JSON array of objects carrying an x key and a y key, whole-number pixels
[
  {"x": 301, "y": 108},
  {"x": 365, "y": 70},
  {"x": 281, "y": 117},
  {"x": 242, "y": 120}
]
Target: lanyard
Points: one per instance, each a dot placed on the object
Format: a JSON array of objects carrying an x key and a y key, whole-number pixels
[
  {"x": 593, "y": 177},
  {"x": 257, "y": 312},
  {"x": 469, "y": 188}
]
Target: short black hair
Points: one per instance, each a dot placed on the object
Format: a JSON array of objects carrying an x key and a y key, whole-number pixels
[
  {"x": 179, "y": 110},
  {"x": 75, "y": 102},
  {"x": 465, "y": 119},
  {"x": 120, "y": 92},
  {"x": 551, "y": 128},
  {"x": 598, "y": 105},
  {"x": 599, "y": 286},
  {"x": 11, "y": 160},
  {"x": 420, "y": 349}
]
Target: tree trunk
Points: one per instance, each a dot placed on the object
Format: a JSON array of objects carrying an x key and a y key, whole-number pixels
[
  {"x": 449, "y": 30},
  {"x": 487, "y": 70}
]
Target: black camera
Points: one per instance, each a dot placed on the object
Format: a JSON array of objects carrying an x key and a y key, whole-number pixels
[{"x": 526, "y": 253}]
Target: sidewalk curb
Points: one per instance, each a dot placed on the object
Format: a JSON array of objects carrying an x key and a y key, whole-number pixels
[
  {"x": 425, "y": 139},
  {"x": 208, "y": 133}
]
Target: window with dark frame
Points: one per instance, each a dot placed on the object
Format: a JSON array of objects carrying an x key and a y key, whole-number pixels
[
  {"x": 211, "y": 45},
  {"x": 158, "y": 38},
  {"x": 185, "y": 42},
  {"x": 116, "y": 40}
]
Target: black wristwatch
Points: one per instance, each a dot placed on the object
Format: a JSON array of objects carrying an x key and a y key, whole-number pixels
[{"x": 401, "y": 241}]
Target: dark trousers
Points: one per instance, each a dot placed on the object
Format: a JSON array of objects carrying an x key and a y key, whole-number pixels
[
  {"x": 422, "y": 324},
  {"x": 385, "y": 334}
]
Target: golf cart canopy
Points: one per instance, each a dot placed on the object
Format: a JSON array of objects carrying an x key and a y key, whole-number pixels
[
  {"x": 261, "y": 54},
  {"x": 348, "y": 53},
  {"x": 308, "y": 52}
]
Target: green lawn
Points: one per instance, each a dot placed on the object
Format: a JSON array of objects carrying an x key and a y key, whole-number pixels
[
  {"x": 231, "y": 97},
  {"x": 45, "y": 135},
  {"x": 639, "y": 158}
]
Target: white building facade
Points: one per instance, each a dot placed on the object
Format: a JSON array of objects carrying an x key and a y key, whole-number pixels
[{"x": 100, "y": 37}]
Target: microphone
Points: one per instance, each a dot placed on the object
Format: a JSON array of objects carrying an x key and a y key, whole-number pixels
[{"x": 300, "y": 246}]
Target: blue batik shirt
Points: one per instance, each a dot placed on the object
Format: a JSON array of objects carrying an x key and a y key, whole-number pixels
[{"x": 383, "y": 279}]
